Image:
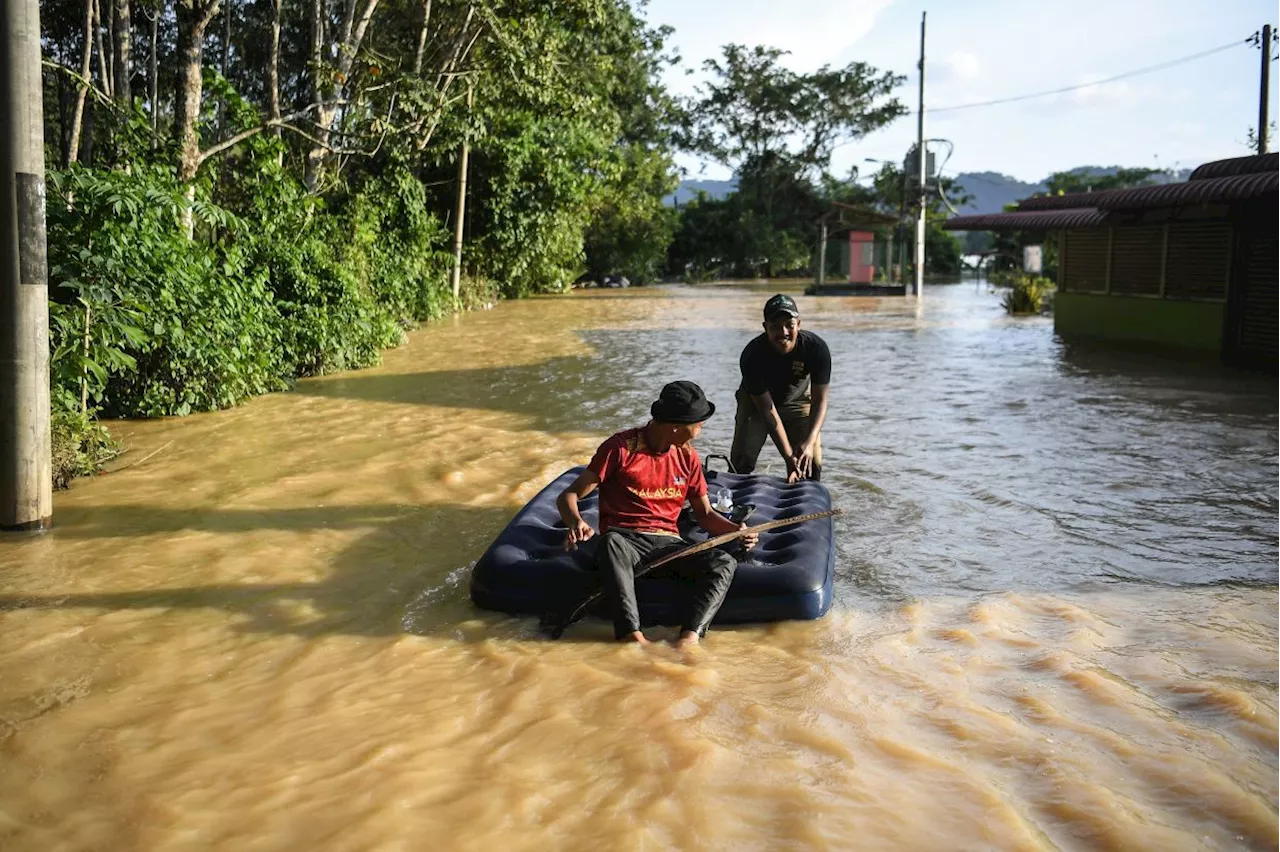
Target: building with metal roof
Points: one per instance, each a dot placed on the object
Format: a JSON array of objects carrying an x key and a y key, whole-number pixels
[{"x": 1191, "y": 264}]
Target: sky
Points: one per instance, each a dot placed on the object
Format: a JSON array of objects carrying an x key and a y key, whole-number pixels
[{"x": 979, "y": 50}]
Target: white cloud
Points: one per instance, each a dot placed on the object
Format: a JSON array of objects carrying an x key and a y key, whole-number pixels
[
  {"x": 993, "y": 49},
  {"x": 958, "y": 67},
  {"x": 814, "y": 32}
]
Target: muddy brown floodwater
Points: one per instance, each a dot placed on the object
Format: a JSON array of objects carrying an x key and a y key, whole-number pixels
[{"x": 1055, "y": 623}]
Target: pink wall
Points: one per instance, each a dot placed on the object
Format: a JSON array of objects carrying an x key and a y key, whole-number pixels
[{"x": 862, "y": 257}]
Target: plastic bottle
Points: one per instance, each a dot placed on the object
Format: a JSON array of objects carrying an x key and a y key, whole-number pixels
[{"x": 724, "y": 501}]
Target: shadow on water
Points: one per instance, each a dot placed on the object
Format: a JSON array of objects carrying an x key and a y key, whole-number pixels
[
  {"x": 601, "y": 392},
  {"x": 410, "y": 574},
  {"x": 1139, "y": 366}
]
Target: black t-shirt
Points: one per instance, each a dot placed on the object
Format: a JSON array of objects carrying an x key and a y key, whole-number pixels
[{"x": 785, "y": 377}]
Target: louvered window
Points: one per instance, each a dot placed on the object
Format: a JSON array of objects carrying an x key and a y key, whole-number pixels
[
  {"x": 1198, "y": 260},
  {"x": 1136, "y": 253},
  {"x": 1084, "y": 261},
  {"x": 1260, "y": 315}
]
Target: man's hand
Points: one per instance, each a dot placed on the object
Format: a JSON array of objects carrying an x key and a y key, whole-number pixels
[
  {"x": 577, "y": 534},
  {"x": 793, "y": 472},
  {"x": 803, "y": 461},
  {"x": 749, "y": 540}
]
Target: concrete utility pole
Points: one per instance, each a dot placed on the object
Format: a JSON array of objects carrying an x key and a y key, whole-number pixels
[
  {"x": 922, "y": 161},
  {"x": 821, "y": 277},
  {"x": 462, "y": 209},
  {"x": 1265, "y": 95},
  {"x": 26, "y": 475}
]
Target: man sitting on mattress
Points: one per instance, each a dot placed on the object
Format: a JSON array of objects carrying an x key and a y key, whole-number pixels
[{"x": 645, "y": 475}]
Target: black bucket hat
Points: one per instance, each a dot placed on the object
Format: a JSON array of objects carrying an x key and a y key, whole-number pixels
[{"x": 682, "y": 402}]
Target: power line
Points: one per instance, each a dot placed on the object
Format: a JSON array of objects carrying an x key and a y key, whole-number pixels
[{"x": 1127, "y": 74}]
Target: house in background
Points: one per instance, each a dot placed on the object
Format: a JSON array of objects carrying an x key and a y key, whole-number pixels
[
  {"x": 862, "y": 242},
  {"x": 1190, "y": 264}
]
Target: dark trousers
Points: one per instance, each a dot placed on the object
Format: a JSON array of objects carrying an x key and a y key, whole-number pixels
[
  {"x": 750, "y": 433},
  {"x": 710, "y": 573}
]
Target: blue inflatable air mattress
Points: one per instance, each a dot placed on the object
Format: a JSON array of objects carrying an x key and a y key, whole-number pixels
[{"x": 788, "y": 575}]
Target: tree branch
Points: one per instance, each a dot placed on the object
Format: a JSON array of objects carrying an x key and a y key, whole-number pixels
[
  {"x": 98, "y": 94},
  {"x": 281, "y": 122}
]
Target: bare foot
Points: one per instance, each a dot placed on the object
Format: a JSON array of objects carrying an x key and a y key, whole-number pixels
[
  {"x": 637, "y": 638},
  {"x": 687, "y": 642}
]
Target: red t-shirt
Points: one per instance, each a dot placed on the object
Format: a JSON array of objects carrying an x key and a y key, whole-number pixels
[{"x": 643, "y": 490}]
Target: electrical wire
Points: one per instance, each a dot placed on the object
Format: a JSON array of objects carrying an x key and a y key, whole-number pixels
[
  {"x": 1147, "y": 70},
  {"x": 951, "y": 149}
]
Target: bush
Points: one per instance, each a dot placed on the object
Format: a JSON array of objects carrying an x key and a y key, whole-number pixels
[
  {"x": 80, "y": 446},
  {"x": 145, "y": 322},
  {"x": 1026, "y": 294}
]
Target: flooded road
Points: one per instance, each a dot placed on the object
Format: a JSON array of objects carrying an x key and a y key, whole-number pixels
[{"x": 1055, "y": 623}]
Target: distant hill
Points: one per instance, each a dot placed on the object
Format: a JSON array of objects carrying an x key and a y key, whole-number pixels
[
  {"x": 689, "y": 189},
  {"x": 991, "y": 191}
]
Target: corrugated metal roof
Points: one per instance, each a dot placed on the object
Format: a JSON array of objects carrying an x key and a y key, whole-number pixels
[
  {"x": 1046, "y": 220},
  {"x": 1072, "y": 201},
  {"x": 1205, "y": 191},
  {"x": 1202, "y": 191},
  {"x": 1237, "y": 166}
]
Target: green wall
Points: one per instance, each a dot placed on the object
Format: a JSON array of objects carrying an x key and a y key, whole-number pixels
[{"x": 1195, "y": 325}]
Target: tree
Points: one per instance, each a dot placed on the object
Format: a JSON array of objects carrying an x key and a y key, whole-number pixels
[
  {"x": 755, "y": 109},
  {"x": 1251, "y": 136},
  {"x": 777, "y": 130},
  {"x": 1088, "y": 180}
]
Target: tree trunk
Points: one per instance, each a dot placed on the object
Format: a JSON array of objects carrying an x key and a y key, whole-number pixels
[
  {"x": 273, "y": 64},
  {"x": 64, "y": 98},
  {"x": 226, "y": 38},
  {"x": 422, "y": 38},
  {"x": 193, "y": 19},
  {"x": 86, "y": 64},
  {"x": 103, "y": 74},
  {"x": 226, "y": 61},
  {"x": 153, "y": 69},
  {"x": 315, "y": 156},
  {"x": 86, "y": 135},
  {"x": 273, "y": 72},
  {"x": 122, "y": 62},
  {"x": 109, "y": 28},
  {"x": 354, "y": 28}
]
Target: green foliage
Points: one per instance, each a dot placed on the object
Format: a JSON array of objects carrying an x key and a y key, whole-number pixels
[
  {"x": 754, "y": 107},
  {"x": 80, "y": 446},
  {"x": 308, "y": 245},
  {"x": 283, "y": 290},
  {"x": 631, "y": 229},
  {"x": 537, "y": 207},
  {"x": 777, "y": 129},
  {"x": 1025, "y": 294},
  {"x": 1078, "y": 180},
  {"x": 172, "y": 325},
  {"x": 942, "y": 250}
]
